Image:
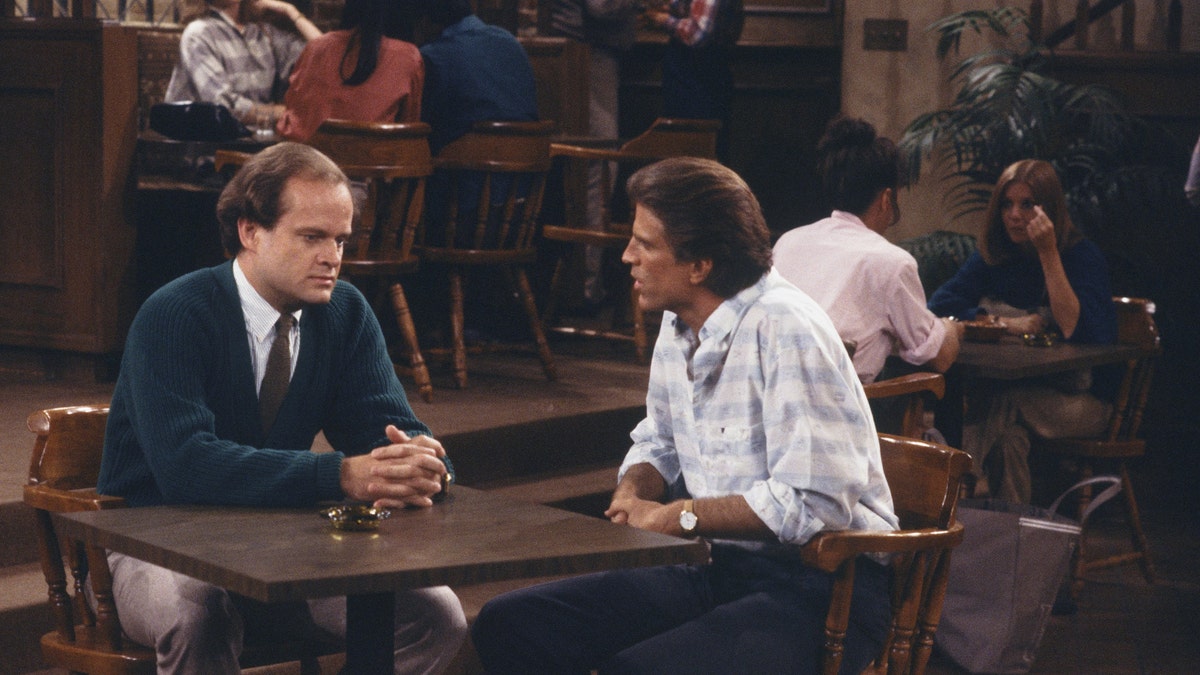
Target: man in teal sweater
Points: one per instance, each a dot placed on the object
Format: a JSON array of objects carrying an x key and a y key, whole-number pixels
[{"x": 185, "y": 424}]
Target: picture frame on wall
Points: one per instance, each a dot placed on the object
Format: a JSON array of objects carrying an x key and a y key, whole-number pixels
[{"x": 789, "y": 7}]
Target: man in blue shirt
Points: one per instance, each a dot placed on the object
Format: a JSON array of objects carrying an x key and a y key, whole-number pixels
[
  {"x": 473, "y": 72},
  {"x": 757, "y": 436}
]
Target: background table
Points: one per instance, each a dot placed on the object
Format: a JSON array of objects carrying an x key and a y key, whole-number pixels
[
  {"x": 290, "y": 554},
  {"x": 1011, "y": 359}
]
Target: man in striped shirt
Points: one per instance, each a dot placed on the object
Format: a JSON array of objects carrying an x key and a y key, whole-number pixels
[{"x": 757, "y": 436}]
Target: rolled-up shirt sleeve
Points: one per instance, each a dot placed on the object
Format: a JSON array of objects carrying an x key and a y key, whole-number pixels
[
  {"x": 919, "y": 334},
  {"x": 820, "y": 443}
]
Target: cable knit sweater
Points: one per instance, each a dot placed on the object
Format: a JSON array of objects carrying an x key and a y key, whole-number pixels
[{"x": 184, "y": 425}]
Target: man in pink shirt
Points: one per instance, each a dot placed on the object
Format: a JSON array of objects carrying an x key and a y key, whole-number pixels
[{"x": 867, "y": 285}]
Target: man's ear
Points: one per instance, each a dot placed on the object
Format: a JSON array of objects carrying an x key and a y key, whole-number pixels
[
  {"x": 700, "y": 270},
  {"x": 248, "y": 233}
]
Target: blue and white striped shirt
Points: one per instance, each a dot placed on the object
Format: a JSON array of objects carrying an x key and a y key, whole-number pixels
[{"x": 765, "y": 403}]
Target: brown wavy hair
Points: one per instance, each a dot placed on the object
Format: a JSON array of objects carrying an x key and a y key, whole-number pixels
[
  {"x": 256, "y": 190},
  {"x": 995, "y": 246},
  {"x": 708, "y": 212}
]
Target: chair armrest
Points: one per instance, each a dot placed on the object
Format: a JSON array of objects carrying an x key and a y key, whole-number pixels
[
  {"x": 828, "y": 550},
  {"x": 934, "y": 383},
  {"x": 69, "y": 501},
  {"x": 585, "y": 152}
]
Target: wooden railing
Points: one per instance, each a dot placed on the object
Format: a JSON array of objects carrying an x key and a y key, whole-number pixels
[{"x": 1086, "y": 13}]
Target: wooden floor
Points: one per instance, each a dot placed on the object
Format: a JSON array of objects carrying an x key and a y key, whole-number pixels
[{"x": 1123, "y": 625}]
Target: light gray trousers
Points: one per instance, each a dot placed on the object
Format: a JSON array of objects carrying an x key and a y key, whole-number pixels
[
  {"x": 199, "y": 628},
  {"x": 1000, "y": 444}
]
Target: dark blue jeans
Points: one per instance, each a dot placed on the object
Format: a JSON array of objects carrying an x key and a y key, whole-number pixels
[{"x": 743, "y": 613}]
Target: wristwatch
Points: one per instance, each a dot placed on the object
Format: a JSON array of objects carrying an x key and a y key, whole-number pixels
[{"x": 687, "y": 518}]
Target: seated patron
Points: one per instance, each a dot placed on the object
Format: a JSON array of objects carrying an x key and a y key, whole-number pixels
[
  {"x": 235, "y": 55},
  {"x": 868, "y": 286},
  {"x": 473, "y": 72},
  {"x": 757, "y": 437},
  {"x": 1034, "y": 272},
  {"x": 364, "y": 71},
  {"x": 219, "y": 400}
]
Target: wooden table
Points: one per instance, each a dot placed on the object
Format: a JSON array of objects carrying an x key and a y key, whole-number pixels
[
  {"x": 1011, "y": 359},
  {"x": 290, "y": 554}
]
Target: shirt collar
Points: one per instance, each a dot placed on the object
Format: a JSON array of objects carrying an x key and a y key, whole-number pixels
[
  {"x": 245, "y": 28},
  {"x": 847, "y": 217},
  {"x": 725, "y": 318},
  {"x": 260, "y": 316}
]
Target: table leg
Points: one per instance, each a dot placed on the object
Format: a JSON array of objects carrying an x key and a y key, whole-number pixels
[{"x": 370, "y": 633}]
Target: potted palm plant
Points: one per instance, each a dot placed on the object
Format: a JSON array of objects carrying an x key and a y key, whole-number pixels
[{"x": 1008, "y": 108}]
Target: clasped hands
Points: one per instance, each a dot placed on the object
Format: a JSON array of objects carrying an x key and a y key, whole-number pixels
[{"x": 406, "y": 472}]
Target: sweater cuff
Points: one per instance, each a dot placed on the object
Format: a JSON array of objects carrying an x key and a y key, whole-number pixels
[{"x": 329, "y": 476}]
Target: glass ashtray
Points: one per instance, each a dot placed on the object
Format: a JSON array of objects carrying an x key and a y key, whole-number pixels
[
  {"x": 355, "y": 517},
  {"x": 1039, "y": 339}
]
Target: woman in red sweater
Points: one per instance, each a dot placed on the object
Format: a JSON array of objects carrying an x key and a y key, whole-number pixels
[{"x": 363, "y": 71}]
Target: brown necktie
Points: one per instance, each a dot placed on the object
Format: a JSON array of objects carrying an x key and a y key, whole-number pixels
[{"x": 278, "y": 373}]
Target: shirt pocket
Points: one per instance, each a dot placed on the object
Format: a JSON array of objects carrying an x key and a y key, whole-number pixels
[{"x": 729, "y": 451}]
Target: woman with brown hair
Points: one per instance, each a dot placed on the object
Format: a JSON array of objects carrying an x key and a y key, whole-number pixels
[
  {"x": 1034, "y": 270},
  {"x": 1036, "y": 273}
]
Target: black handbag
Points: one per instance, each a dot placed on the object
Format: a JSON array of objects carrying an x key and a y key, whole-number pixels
[{"x": 196, "y": 121}]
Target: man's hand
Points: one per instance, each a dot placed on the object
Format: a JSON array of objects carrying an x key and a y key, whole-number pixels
[
  {"x": 646, "y": 515},
  {"x": 408, "y": 472}
]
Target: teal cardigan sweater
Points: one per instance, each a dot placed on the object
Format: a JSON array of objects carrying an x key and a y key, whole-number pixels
[{"x": 184, "y": 428}]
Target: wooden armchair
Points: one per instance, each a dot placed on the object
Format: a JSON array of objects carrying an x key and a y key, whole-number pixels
[
  {"x": 489, "y": 183},
  {"x": 924, "y": 479},
  {"x": 665, "y": 138},
  {"x": 909, "y": 392},
  {"x": 87, "y": 638},
  {"x": 394, "y": 161},
  {"x": 1119, "y": 443}
]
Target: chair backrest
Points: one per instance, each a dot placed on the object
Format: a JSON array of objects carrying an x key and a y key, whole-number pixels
[
  {"x": 394, "y": 161},
  {"x": 671, "y": 137},
  {"x": 1135, "y": 326},
  {"x": 70, "y": 458},
  {"x": 924, "y": 479},
  {"x": 493, "y": 179}
]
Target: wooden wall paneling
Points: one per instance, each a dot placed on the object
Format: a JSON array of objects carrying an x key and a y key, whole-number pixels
[
  {"x": 69, "y": 98},
  {"x": 784, "y": 96}
]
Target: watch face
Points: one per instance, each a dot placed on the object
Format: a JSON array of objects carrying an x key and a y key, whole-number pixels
[{"x": 687, "y": 520}]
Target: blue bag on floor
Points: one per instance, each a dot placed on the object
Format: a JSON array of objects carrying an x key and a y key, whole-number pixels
[{"x": 1004, "y": 577}]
